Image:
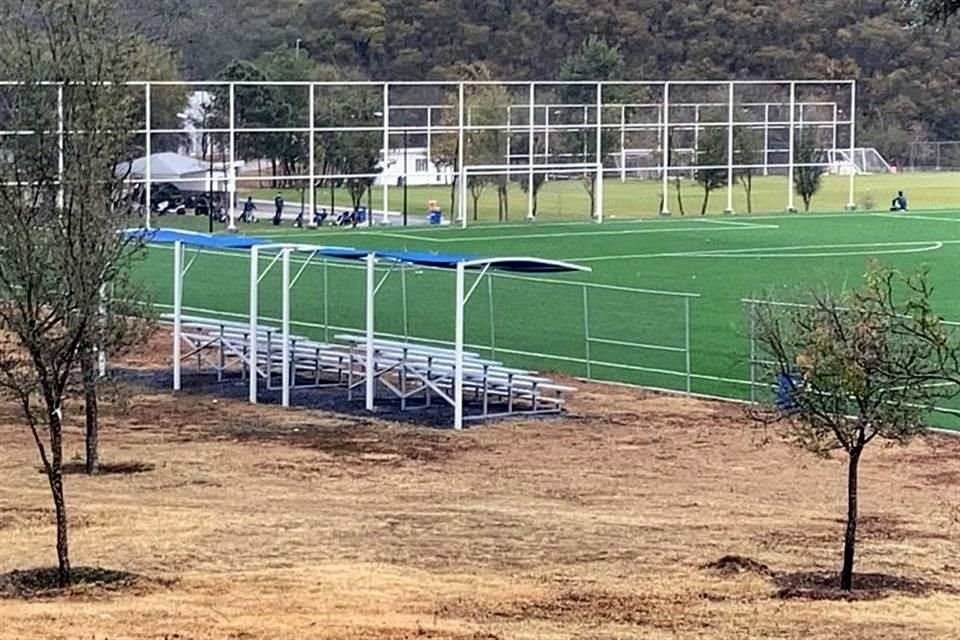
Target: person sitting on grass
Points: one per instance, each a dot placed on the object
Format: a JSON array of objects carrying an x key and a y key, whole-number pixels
[
  {"x": 899, "y": 203},
  {"x": 319, "y": 217}
]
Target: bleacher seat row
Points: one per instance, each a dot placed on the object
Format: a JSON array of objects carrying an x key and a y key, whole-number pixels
[{"x": 413, "y": 374}]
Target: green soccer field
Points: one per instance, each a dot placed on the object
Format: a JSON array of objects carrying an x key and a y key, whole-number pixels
[
  {"x": 541, "y": 322},
  {"x": 568, "y": 200}
]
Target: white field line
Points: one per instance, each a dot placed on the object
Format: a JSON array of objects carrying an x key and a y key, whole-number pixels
[
  {"x": 774, "y": 252},
  {"x": 572, "y": 234},
  {"x": 907, "y": 216}
]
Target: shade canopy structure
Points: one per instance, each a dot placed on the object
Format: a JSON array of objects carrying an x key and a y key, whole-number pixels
[{"x": 282, "y": 252}]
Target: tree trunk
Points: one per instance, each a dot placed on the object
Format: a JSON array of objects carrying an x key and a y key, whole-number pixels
[
  {"x": 453, "y": 197},
  {"x": 850, "y": 536},
  {"x": 706, "y": 199},
  {"x": 55, "y": 477},
  {"x": 680, "y": 196},
  {"x": 91, "y": 436},
  {"x": 476, "y": 201}
]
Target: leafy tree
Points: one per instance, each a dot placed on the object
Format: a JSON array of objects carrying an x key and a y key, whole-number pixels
[
  {"x": 747, "y": 151},
  {"x": 60, "y": 231},
  {"x": 596, "y": 60},
  {"x": 855, "y": 367},
  {"x": 808, "y": 174},
  {"x": 352, "y": 152},
  {"x": 711, "y": 158},
  {"x": 936, "y": 11}
]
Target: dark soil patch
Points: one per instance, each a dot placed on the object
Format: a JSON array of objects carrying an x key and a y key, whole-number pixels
[
  {"x": 86, "y": 582},
  {"x": 108, "y": 468},
  {"x": 737, "y": 565},
  {"x": 568, "y": 607},
  {"x": 812, "y": 585}
]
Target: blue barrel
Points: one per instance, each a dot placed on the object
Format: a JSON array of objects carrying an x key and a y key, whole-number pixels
[
  {"x": 361, "y": 215},
  {"x": 435, "y": 217}
]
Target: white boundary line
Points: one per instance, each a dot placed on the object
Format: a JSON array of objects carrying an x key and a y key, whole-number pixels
[
  {"x": 771, "y": 252},
  {"x": 907, "y": 216}
]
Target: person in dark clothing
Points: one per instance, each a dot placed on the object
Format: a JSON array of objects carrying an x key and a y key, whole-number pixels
[
  {"x": 319, "y": 217},
  {"x": 899, "y": 203},
  {"x": 278, "y": 203},
  {"x": 248, "y": 209}
]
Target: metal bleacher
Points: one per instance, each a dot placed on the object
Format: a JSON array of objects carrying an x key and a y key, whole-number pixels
[{"x": 413, "y": 376}]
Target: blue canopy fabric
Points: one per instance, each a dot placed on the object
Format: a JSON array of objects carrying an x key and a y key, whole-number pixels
[
  {"x": 421, "y": 258},
  {"x": 191, "y": 238}
]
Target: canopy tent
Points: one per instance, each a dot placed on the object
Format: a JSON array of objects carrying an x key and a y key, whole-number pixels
[{"x": 282, "y": 252}]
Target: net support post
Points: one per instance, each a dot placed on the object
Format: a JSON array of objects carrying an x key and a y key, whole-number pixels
[
  {"x": 461, "y": 159},
  {"x": 730, "y": 155},
  {"x": 791, "y": 150},
  {"x": 586, "y": 329},
  {"x": 232, "y": 175},
  {"x": 147, "y": 149},
  {"x": 531, "y": 133},
  {"x": 686, "y": 343},
  {"x": 312, "y": 160},
  {"x": 753, "y": 353},
  {"x": 598, "y": 190},
  {"x": 386, "y": 154},
  {"x": 177, "y": 310},
  {"x": 665, "y": 151},
  {"x": 851, "y": 202}
]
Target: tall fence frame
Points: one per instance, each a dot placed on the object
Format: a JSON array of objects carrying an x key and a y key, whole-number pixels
[{"x": 842, "y": 119}]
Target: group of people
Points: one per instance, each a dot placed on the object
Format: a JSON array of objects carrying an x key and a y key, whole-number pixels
[{"x": 345, "y": 218}]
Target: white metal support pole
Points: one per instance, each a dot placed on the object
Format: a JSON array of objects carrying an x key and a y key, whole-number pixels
[
  {"x": 833, "y": 131},
  {"x": 312, "y": 198},
  {"x": 60, "y": 150},
  {"x": 429, "y": 134},
  {"x": 623, "y": 143},
  {"x": 790, "y": 151},
  {"x": 232, "y": 175},
  {"x": 696, "y": 138},
  {"x": 851, "y": 202},
  {"x": 458, "y": 350},
  {"x": 254, "y": 312},
  {"x": 177, "y": 309},
  {"x": 730, "y": 156},
  {"x": 665, "y": 150},
  {"x": 509, "y": 155},
  {"x": 461, "y": 159},
  {"x": 285, "y": 330},
  {"x": 546, "y": 137},
  {"x": 531, "y": 117},
  {"x": 371, "y": 295},
  {"x": 598, "y": 191},
  {"x": 386, "y": 154},
  {"x": 148, "y": 173},
  {"x": 766, "y": 139},
  {"x": 686, "y": 341}
]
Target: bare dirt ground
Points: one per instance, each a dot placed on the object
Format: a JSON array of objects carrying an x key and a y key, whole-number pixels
[{"x": 612, "y": 522}]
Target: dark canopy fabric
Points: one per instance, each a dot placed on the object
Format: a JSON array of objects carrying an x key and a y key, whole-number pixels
[{"x": 422, "y": 258}]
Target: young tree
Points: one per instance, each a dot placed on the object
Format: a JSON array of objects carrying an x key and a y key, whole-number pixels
[
  {"x": 747, "y": 152},
  {"x": 808, "y": 174},
  {"x": 596, "y": 60},
  {"x": 711, "y": 156},
  {"x": 539, "y": 179},
  {"x": 856, "y": 367},
  {"x": 60, "y": 229}
]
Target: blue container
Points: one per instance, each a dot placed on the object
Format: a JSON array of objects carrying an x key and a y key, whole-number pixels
[
  {"x": 435, "y": 217},
  {"x": 361, "y": 215}
]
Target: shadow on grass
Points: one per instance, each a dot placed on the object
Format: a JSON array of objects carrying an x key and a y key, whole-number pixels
[
  {"x": 86, "y": 582},
  {"x": 820, "y": 585}
]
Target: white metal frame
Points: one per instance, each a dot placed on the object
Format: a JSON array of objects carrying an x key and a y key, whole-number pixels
[{"x": 533, "y": 162}]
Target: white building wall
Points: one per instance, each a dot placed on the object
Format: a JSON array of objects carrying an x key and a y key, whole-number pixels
[{"x": 421, "y": 170}]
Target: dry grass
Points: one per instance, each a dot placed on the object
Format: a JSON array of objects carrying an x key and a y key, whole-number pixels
[{"x": 607, "y": 524}]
